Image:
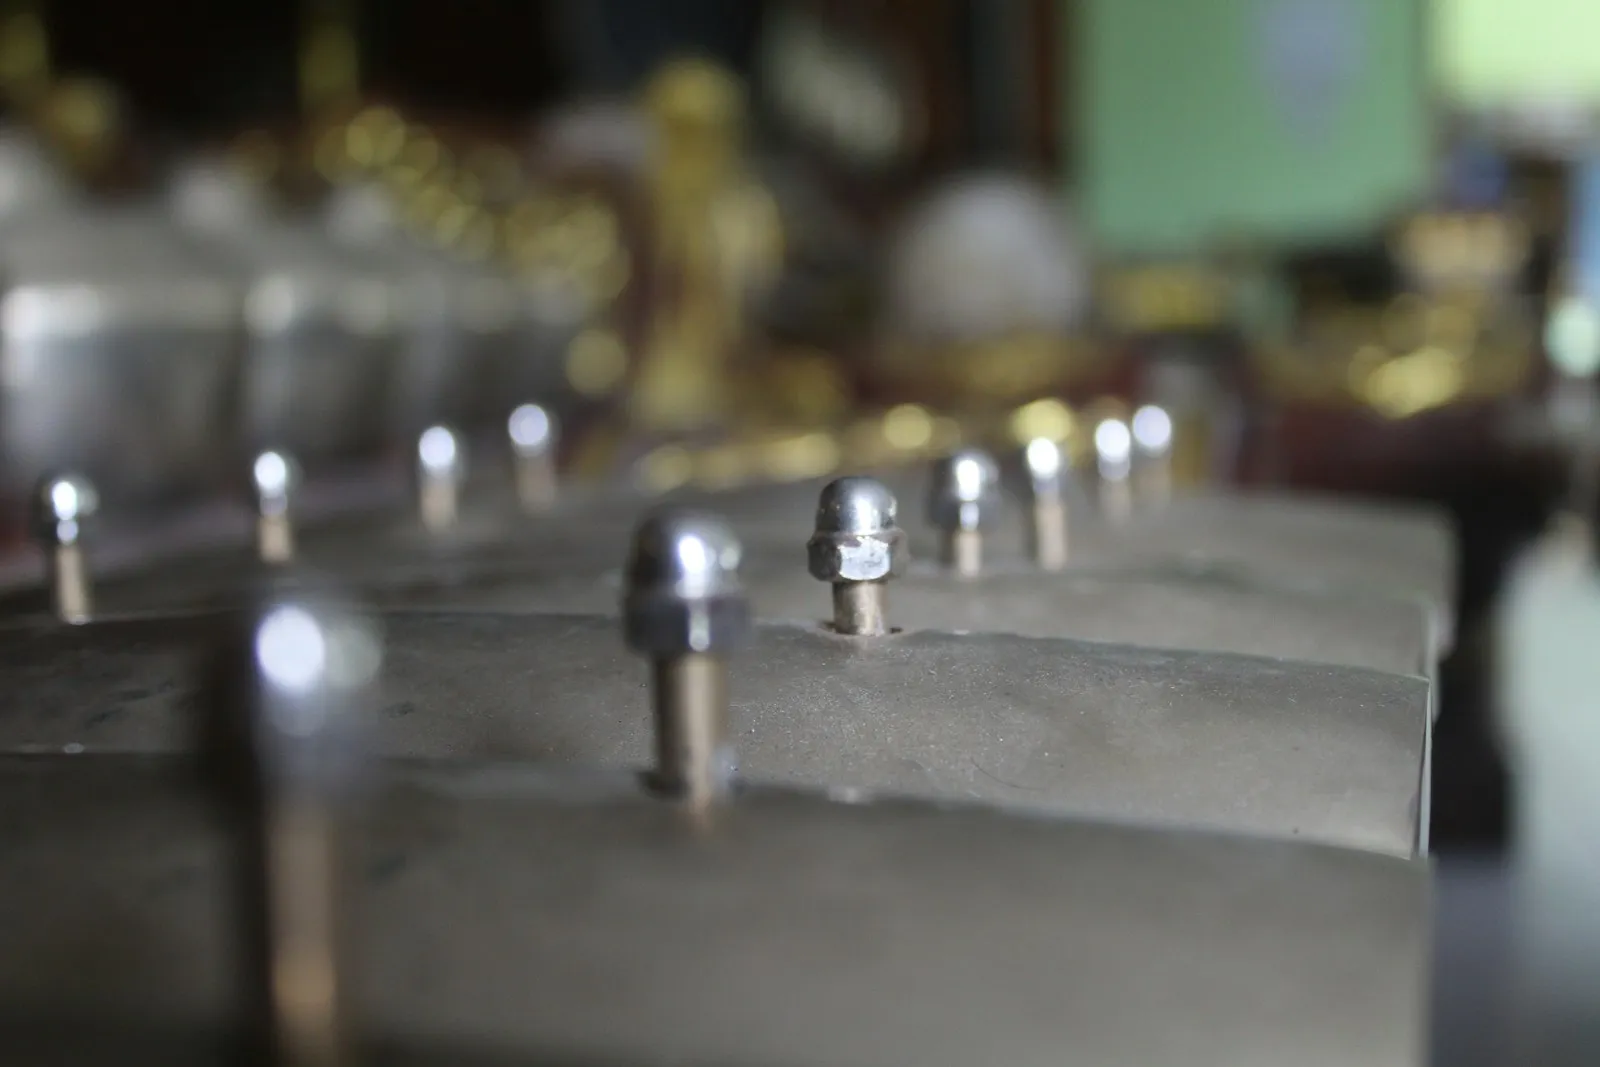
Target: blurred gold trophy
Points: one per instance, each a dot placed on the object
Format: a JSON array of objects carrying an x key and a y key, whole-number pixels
[{"x": 718, "y": 243}]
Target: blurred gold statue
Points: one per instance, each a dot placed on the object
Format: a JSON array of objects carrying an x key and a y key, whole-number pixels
[{"x": 718, "y": 242}]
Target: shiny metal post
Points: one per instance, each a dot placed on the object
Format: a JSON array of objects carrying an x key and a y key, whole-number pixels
[
  {"x": 291, "y": 743},
  {"x": 963, "y": 497},
  {"x": 1152, "y": 430},
  {"x": 275, "y": 476},
  {"x": 533, "y": 433},
  {"x": 685, "y": 609},
  {"x": 1046, "y": 464},
  {"x": 441, "y": 468},
  {"x": 63, "y": 504},
  {"x": 1113, "y": 450}
]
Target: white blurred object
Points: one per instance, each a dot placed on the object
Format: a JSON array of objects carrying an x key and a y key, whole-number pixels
[
  {"x": 986, "y": 256},
  {"x": 1550, "y": 708}
]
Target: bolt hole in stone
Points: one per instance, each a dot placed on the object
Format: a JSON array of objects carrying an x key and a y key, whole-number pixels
[{"x": 831, "y": 627}]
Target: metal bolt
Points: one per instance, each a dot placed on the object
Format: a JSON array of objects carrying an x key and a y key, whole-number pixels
[
  {"x": 441, "y": 468},
  {"x": 857, "y": 547},
  {"x": 1152, "y": 448},
  {"x": 1047, "y": 466},
  {"x": 1113, "y": 450},
  {"x": 275, "y": 476},
  {"x": 963, "y": 497},
  {"x": 289, "y": 737},
  {"x": 63, "y": 504},
  {"x": 533, "y": 432},
  {"x": 685, "y": 609}
]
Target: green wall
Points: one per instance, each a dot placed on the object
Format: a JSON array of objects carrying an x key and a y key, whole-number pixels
[
  {"x": 1493, "y": 52},
  {"x": 1290, "y": 121}
]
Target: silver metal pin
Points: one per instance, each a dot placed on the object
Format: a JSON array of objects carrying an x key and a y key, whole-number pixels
[
  {"x": 275, "y": 476},
  {"x": 1047, "y": 466},
  {"x": 63, "y": 505},
  {"x": 963, "y": 498},
  {"x": 685, "y": 609},
  {"x": 1152, "y": 430},
  {"x": 533, "y": 432},
  {"x": 294, "y": 761},
  {"x": 441, "y": 468},
  {"x": 1113, "y": 450}
]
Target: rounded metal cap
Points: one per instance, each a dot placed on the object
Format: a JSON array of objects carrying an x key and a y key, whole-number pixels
[
  {"x": 857, "y": 537},
  {"x": 1047, "y": 465},
  {"x": 441, "y": 454},
  {"x": 308, "y": 667},
  {"x": 683, "y": 590},
  {"x": 965, "y": 491},
  {"x": 1152, "y": 431},
  {"x": 275, "y": 476},
  {"x": 532, "y": 430},
  {"x": 856, "y": 505},
  {"x": 61, "y": 506}
]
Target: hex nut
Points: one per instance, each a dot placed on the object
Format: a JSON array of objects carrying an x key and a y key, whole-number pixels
[
  {"x": 658, "y": 624},
  {"x": 843, "y": 557}
]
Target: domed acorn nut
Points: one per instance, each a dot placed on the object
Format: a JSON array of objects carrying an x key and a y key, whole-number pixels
[
  {"x": 857, "y": 546},
  {"x": 683, "y": 590},
  {"x": 686, "y": 610}
]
